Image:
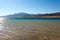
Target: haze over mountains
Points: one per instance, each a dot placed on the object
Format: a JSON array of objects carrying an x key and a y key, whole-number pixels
[{"x": 26, "y": 15}]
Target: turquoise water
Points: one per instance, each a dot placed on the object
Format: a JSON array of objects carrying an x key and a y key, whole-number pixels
[{"x": 34, "y": 18}]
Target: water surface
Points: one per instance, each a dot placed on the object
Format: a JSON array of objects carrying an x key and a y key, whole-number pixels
[{"x": 29, "y": 29}]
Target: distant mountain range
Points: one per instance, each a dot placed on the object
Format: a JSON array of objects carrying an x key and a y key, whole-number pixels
[{"x": 26, "y": 15}]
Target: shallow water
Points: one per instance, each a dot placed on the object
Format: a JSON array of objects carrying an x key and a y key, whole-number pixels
[{"x": 29, "y": 29}]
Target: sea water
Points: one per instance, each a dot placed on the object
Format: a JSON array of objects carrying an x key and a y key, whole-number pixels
[{"x": 30, "y": 28}]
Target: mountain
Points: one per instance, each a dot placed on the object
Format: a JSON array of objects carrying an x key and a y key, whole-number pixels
[
  {"x": 19, "y": 15},
  {"x": 26, "y": 15}
]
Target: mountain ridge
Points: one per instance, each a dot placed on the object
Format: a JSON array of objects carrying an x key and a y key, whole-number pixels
[{"x": 26, "y": 15}]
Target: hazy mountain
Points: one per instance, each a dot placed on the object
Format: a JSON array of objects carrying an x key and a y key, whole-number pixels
[
  {"x": 26, "y": 15},
  {"x": 19, "y": 15}
]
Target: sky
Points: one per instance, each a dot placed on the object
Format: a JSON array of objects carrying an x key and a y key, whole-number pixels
[{"x": 8, "y": 7}]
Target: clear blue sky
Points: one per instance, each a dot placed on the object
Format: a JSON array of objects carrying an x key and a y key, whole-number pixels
[{"x": 29, "y": 6}]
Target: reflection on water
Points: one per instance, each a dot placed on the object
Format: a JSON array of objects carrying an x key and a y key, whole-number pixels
[
  {"x": 1, "y": 27},
  {"x": 29, "y": 29}
]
